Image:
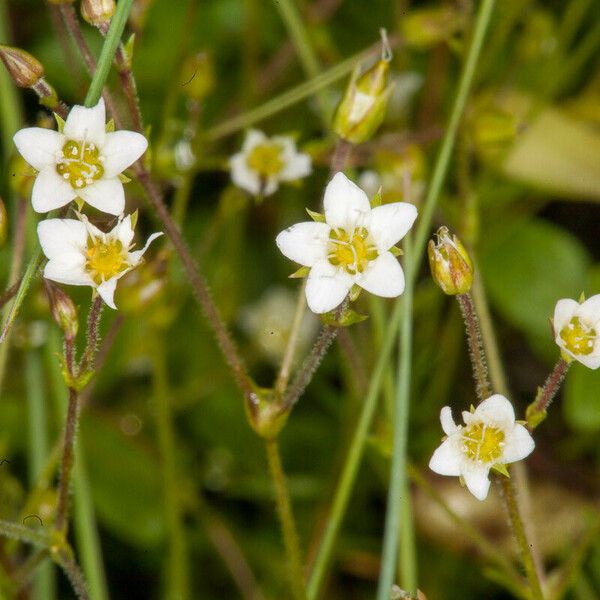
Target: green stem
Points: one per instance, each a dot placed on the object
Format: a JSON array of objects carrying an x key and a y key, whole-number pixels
[
  {"x": 291, "y": 97},
  {"x": 398, "y": 466},
  {"x": 301, "y": 40},
  {"x": 10, "y": 107},
  {"x": 286, "y": 517},
  {"x": 109, "y": 48},
  {"x": 44, "y": 585},
  {"x": 397, "y": 502},
  {"x": 86, "y": 531},
  {"x": 536, "y": 411},
  {"x": 29, "y": 535},
  {"x": 177, "y": 570},
  {"x": 510, "y": 498}
]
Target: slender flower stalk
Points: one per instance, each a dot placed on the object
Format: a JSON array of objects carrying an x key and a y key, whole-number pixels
[
  {"x": 475, "y": 343},
  {"x": 536, "y": 411},
  {"x": 286, "y": 517}
]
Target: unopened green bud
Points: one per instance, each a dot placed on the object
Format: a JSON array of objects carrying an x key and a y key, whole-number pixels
[
  {"x": 24, "y": 69},
  {"x": 265, "y": 413},
  {"x": 62, "y": 308},
  {"x": 197, "y": 76},
  {"x": 362, "y": 108},
  {"x": 428, "y": 27},
  {"x": 3, "y": 223},
  {"x": 451, "y": 266},
  {"x": 98, "y": 12}
]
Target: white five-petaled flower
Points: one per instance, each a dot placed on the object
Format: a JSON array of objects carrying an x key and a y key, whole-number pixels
[
  {"x": 263, "y": 162},
  {"x": 80, "y": 254},
  {"x": 490, "y": 437},
  {"x": 351, "y": 247},
  {"x": 84, "y": 160},
  {"x": 577, "y": 330}
]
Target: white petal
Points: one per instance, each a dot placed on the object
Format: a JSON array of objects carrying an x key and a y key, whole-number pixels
[
  {"x": 446, "y": 460},
  {"x": 254, "y": 137},
  {"x": 448, "y": 424},
  {"x": 121, "y": 149},
  {"x": 563, "y": 313},
  {"x": 50, "y": 191},
  {"x": 123, "y": 231},
  {"x": 345, "y": 203},
  {"x": 389, "y": 223},
  {"x": 477, "y": 482},
  {"x": 496, "y": 410},
  {"x": 590, "y": 361},
  {"x": 589, "y": 311},
  {"x": 243, "y": 176},
  {"x": 107, "y": 291},
  {"x": 62, "y": 236},
  {"x": 326, "y": 287},
  {"x": 87, "y": 124},
  {"x": 270, "y": 187},
  {"x": 382, "y": 277},
  {"x": 39, "y": 147},
  {"x": 304, "y": 243},
  {"x": 68, "y": 268},
  {"x": 106, "y": 195},
  {"x": 297, "y": 167},
  {"x": 136, "y": 257},
  {"x": 518, "y": 445}
]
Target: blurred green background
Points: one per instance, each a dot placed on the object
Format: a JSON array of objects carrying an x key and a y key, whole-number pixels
[{"x": 523, "y": 192}]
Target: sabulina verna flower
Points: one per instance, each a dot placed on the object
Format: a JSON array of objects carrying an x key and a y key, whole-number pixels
[
  {"x": 81, "y": 161},
  {"x": 80, "y": 254},
  {"x": 265, "y": 162},
  {"x": 451, "y": 266},
  {"x": 577, "y": 330},
  {"x": 350, "y": 245},
  {"x": 489, "y": 438}
]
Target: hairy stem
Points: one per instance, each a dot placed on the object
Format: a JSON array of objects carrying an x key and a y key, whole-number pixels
[
  {"x": 536, "y": 411},
  {"x": 514, "y": 512},
  {"x": 475, "y": 343},
  {"x": 286, "y": 517}
]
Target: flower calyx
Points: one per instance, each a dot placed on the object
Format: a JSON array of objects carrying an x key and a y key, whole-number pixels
[{"x": 266, "y": 412}]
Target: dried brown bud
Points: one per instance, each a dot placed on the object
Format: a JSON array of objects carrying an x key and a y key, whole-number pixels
[
  {"x": 25, "y": 70},
  {"x": 98, "y": 12},
  {"x": 62, "y": 308}
]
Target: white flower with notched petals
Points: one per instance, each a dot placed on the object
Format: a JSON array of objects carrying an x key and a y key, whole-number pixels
[
  {"x": 263, "y": 162},
  {"x": 577, "y": 330},
  {"x": 351, "y": 247},
  {"x": 83, "y": 161},
  {"x": 80, "y": 254},
  {"x": 490, "y": 437}
]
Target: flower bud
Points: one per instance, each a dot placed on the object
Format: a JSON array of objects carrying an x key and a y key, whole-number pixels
[
  {"x": 62, "y": 308},
  {"x": 362, "y": 108},
  {"x": 197, "y": 76},
  {"x": 428, "y": 27},
  {"x": 3, "y": 223},
  {"x": 98, "y": 12},
  {"x": 24, "y": 69},
  {"x": 451, "y": 266}
]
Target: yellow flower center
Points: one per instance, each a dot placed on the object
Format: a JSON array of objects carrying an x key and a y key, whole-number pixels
[
  {"x": 80, "y": 163},
  {"x": 482, "y": 443},
  {"x": 578, "y": 338},
  {"x": 266, "y": 159},
  {"x": 351, "y": 251},
  {"x": 105, "y": 259}
]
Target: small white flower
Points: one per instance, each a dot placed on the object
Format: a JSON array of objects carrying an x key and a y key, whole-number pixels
[
  {"x": 490, "y": 437},
  {"x": 80, "y": 254},
  {"x": 81, "y": 161},
  {"x": 263, "y": 162},
  {"x": 577, "y": 330},
  {"x": 351, "y": 247}
]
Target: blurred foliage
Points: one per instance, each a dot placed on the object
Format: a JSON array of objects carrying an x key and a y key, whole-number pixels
[{"x": 524, "y": 194}]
